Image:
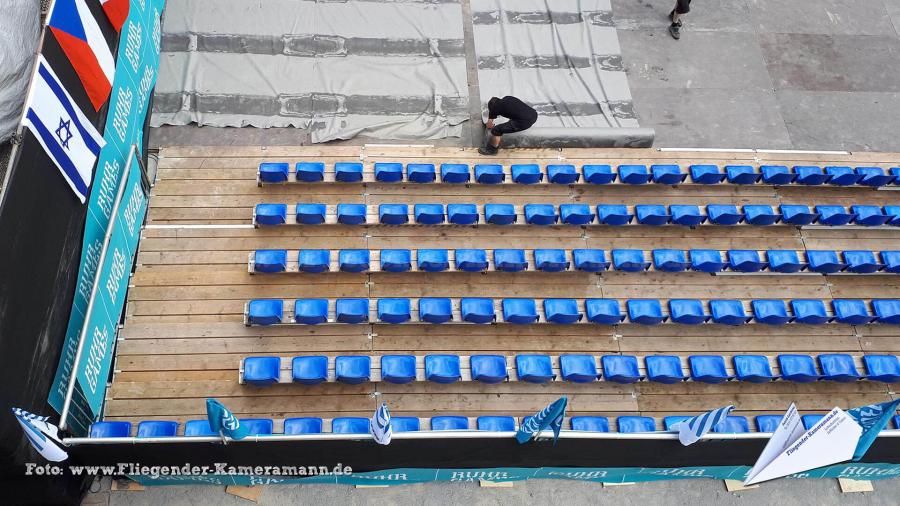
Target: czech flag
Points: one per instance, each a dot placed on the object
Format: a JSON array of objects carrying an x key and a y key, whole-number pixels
[
  {"x": 80, "y": 37},
  {"x": 116, "y": 11}
]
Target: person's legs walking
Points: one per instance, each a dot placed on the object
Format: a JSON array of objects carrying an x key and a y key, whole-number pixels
[{"x": 682, "y": 7}]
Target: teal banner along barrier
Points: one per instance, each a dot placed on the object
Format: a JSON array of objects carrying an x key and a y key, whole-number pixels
[{"x": 137, "y": 64}]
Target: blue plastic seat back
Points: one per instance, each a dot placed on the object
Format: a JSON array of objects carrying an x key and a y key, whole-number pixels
[
  {"x": 432, "y": 260},
  {"x": 708, "y": 369},
  {"x": 265, "y": 311},
  {"x": 798, "y": 368},
  {"x": 633, "y": 174},
  {"x": 350, "y": 425},
  {"x": 353, "y": 260},
  {"x": 795, "y": 214},
  {"x": 620, "y": 368},
  {"x": 270, "y": 260},
  {"x": 770, "y": 311},
  {"x": 767, "y": 423},
  {"x": 613, "y": 214},
  {"x": 157, "y": 428},
  {"x": 874, "y": 176},
  {"x": 309, "y": 370},
  {"x": 352, "y": 369},
  {"x": 885, "y": 368},
  {"x": 311, "y": 311},
  {"x": 842, "y": 176},
  {"x": 576, "y": 214},
  {"x": 732, "y": 425},
  {"x": 526, "y": 173},
  {"x": 393, "y": 214},
  {"x": 834, "y": 215},
  {"x": 442, "y": 368},
  {"x": 519, "y": 311},
  {"x": 270, "y": 214},
  {"x": 351, "y": 214},
  {"x": 563, "y": 311},
  {"x": 745, "y": 260},
  {"x": 590, "y": 423},
  {"x": 645, "y": 311},
  {"x": 420, "y": 172},
  {"x": 603, "y": 311},
  {"x": 809, "y": 421},
  {"x": 664, "y": 369},
  {"x": 304, "y": 425},
  {"x": 687, "y": 311},
  {"x": 510, "y": 260},
  {"x": 496, "y": 423},
  {"x": 314, "y": 260},
  {"x": 741, "y": 174},
  {"x": 706, "y": 174},
  {"x": 667, "y": 174},
  {"x": 310, "y": 172},
  {"x": 686, "y": 215},
  {"x": 670, "y": 423},
  {"x": 728, "y": 312},
  {"x": 396, "y": 260},
  {"x": 578, "y": 368},
  {"x": 351, "y": 310},
  {"x": 393, "y": 310},
  {"x": 631, "y": 424},
  {"x": 777, "y": 174},
  {"x": 258, "y": 426},
  {"x": 310, "y": 214},
  {"x": 198, "y": 428},
  {"x": 435, "y": 309},
  {"x": 893, "y": 212},
  {"x": 404, "y": 424},
  {"x": 449, "y": 423},
  {"x": 706, "y": 260},
  {"x": 471, "y": 260},
  {"x": 897, "y": 422},
  {"x": 462, "y": 214},
  {"x": 724, "y": 214},
  {"x": 869, "y": 216},
  {"x": 488, "y": 368},
  {"x": 891, "y": 260},
  {"x": 534, "y": 368},
  {"x": 348, "y": 172},
  {"x": 598, "y": 174},
  {"x": 670, "y": 260},
  {"x": 540, "y": 214},
  {"x": 887, "y": 310},
  {"x": 629, "y": 260},
  {"x": 810, "y": 311},
  {"x": 760, "y": 215},
  {"x": 786, "y": 261},
  {"x": 428, "y": 214},
  {"x": 262, "y": 370},
  {"x": 862, "y": 261},
  {"x": 550, "y": 260},
  {"x": 489, "y": 173},
  {"x": 753, "y": 368},
  {"x": 273, "y": 172},
  {"x": 651, "y": 214},
  {"x": 455, "y": 173},
  {"x": 562, "y": 174},
  {"x": 388, "y": 172},
  {"x": 590, "y": 260},
  {"x": 838, "y": 367},
  {"x": 852, "y": 311},
  {"x": 500, "y": 214},
  {"x": 810, "y": 175}
]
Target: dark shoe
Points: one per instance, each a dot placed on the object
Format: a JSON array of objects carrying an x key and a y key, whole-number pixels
[
  {"x": 488, "y": 150},
  {"x": 675, "y": 30}
]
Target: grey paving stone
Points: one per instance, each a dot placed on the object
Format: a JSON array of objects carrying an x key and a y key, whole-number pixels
[
  {"x": 893, "y": 10},
  {"x": 717, "y": 15},
  {"x": 854, "y": 17}
]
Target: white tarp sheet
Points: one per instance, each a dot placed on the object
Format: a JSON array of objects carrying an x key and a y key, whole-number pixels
[{"x": 20, "y": 29}]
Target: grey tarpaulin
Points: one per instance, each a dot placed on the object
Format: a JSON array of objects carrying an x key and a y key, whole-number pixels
[
  {"x": 20, "y": 29},
  {"x": 384, "y": 68}
]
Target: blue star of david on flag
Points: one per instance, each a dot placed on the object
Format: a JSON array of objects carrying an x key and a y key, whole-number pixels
[{"x": 64, "y": 132}]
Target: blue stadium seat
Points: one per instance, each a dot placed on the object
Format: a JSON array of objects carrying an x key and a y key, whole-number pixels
[
  {"x": 311, "y": 311},
  {"x": 687, "y": 311},
  {"x": 723, "y": 214},
  {"x": 862, "y": 261},
  {"x": 590, "y": 260},
  {"x": 455, "y": 173},
  {"x": 309, "y": 370},
  {"x": 842, "y": 176},
  {"x": 893, "y": 213},
  {"x": 550, "y": 260},
  {"x": 767, "y": 423},
  {"x": 351, "y": 214},
  {"x": 887, "y": 310},
  {"x": 798, "y": 368},
  {"x": 261, "y": 371},
  {"x": 884, "y": 368},
  {"x": 613, "y": 214},
  {"x": 306, "y": 425},
  {"x": 449, "y": 423},
  {"x": 732, "y": 425},
  {"x": 393, "y": 214},
  {"x": 589, "y": 423},
  {"x": 157, "y": 428},
  {"x": 462, "y": 214},
  {"x": 745, "y": 260},
  {"x": 869, "y": 216},
  {"x": 708, "y": 369},
  {"x": 838, "y": 367},
  {"x": 314, "y": 260},
  {"x": 519, "y": 311},
  {"x": 420, "y": 172},
  {"x": 270, "y": 214},
  {"x": 633, "y": 174},
  {"x": 706, "y": 260},
  {"x": 353, "y": 260},
  {"x": 442, "y": 368},
  {"x": 670, "y": 260},
  {"x": 526, "y": 173},
  {"x": 428, "y": 214},
  {"x": 110, "y": 429},
  {"x": 534, "y": 368},
  {"x": 562, "y": 174},
  {"x": 198, "y": 428},
  {"x": 540, "y": 214},
  {"x": 777, "y": 174},
  {"x": 348, "y": 172},
  {"x": 753, "y": 368},
  {"x": 273, "y": 172},
  {"x": 499, "y": 214},
  {"x": 760, "y": 215},
  {"x": 620, "y": 368},
  {"x": 852, "y": 311},
  {"x": 496, "y": 423},
  {"x": 834, "y": 215},
  {"x": 432, "y": 260},
  {"x": 809, "y": 421},
  {"x": 576, "y": 214},
  {"x": 477, "y": 310},
  {"x": 654, "y": 214},
  {"x": 810, "y": 311},
  {"x": 664, "y": 369},
  {"x": 629, "y": 260},
  {"x": 770, "y": 311},
  {"x": 670, "y": 423},
  {"x": 351, "y": 310},
  {"x": 435, "y": 309},
  {"x": 310, "y": 214},
  {"x": 631, "y": 424},
  {"x": 310, "y": 172},
  {"x": 265, "y": 311},
  {"x": 706, "y": 174},
  {"x": 489, "y": 173},
  {"x": 352, "y": 369},
  {"x": 796, "y": 214},
  {"x": 488, "y": 368},
  {"x": 388, "y": 172},
  {"x": 471, "y": 260},
  {"x": 578, "y": 368},
  {"x": 686, "y": 215},
  {"x": 786, "y": 261},
  {"x": 874, "y": 176},
  {"x": 563, "y": 311},
  {"x": 398, "y": 369},
  {"x": 810, "y": 175},
  {"x": 742, "y": 174},
  {"x": 258, "y": 426},
  {"x": 350, "y": 425},
  {"x": 897, "y": 422},
  {"x": 891, "y": 261},
  {"x": 603, "y": 311},
  {"x": 510, "y": 260},
  {"x": 393, "y": 310},
  {"x": 728, "y": 312},
  {"x": 396, "y": 260},
  {"x": 598, "y": 174},
  {"x": 270, "y": 260},
  {"x": 667, "y": 174},
  {"x": 895, "y": 171},
  {"x": 645, "y": 311}
]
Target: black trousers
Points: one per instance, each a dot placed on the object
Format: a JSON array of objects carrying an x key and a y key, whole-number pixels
[{"x": 682, "y": 6}]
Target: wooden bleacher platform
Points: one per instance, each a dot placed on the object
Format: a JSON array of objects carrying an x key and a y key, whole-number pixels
[{"x": 184, "y": 335}]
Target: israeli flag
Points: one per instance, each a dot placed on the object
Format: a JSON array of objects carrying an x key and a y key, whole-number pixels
[
  {"x": 41, "y": 434},
  {"x": 223, "y": 421},
  {"x": 67, "y": 136},
  {"x": 873, "y": 419},
  {"x": 692, "y": 429},
  {"x": 550, "y": 417},
  {"x": 380, "y": 425}
]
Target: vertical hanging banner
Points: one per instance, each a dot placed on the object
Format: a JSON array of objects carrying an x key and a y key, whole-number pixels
[{"x": 136, "y": 71}]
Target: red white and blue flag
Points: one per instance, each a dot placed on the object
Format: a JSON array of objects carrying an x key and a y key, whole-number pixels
[
  {"x": 116, "y": 11},
  {"x": 80, "y": 37}
]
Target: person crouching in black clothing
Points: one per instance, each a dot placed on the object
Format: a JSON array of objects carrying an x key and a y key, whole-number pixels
[{"x": 521, "y": 116}]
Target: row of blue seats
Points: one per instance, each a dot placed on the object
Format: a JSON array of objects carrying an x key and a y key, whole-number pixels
[
  {"x": 534, "y": 368},
  {"x": 531, "y": 173},
  {"x": 357, "y": 425},
  {"x": 582, "y": 214},
  {"x": 588, "y": 260},
  {"x": 567, "y": 311}
]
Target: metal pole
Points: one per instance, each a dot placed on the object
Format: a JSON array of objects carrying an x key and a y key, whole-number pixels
[{"x": 84, "y": 328}]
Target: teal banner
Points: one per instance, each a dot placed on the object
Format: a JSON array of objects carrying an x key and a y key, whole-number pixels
[{"x": 137, "y": 64}]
